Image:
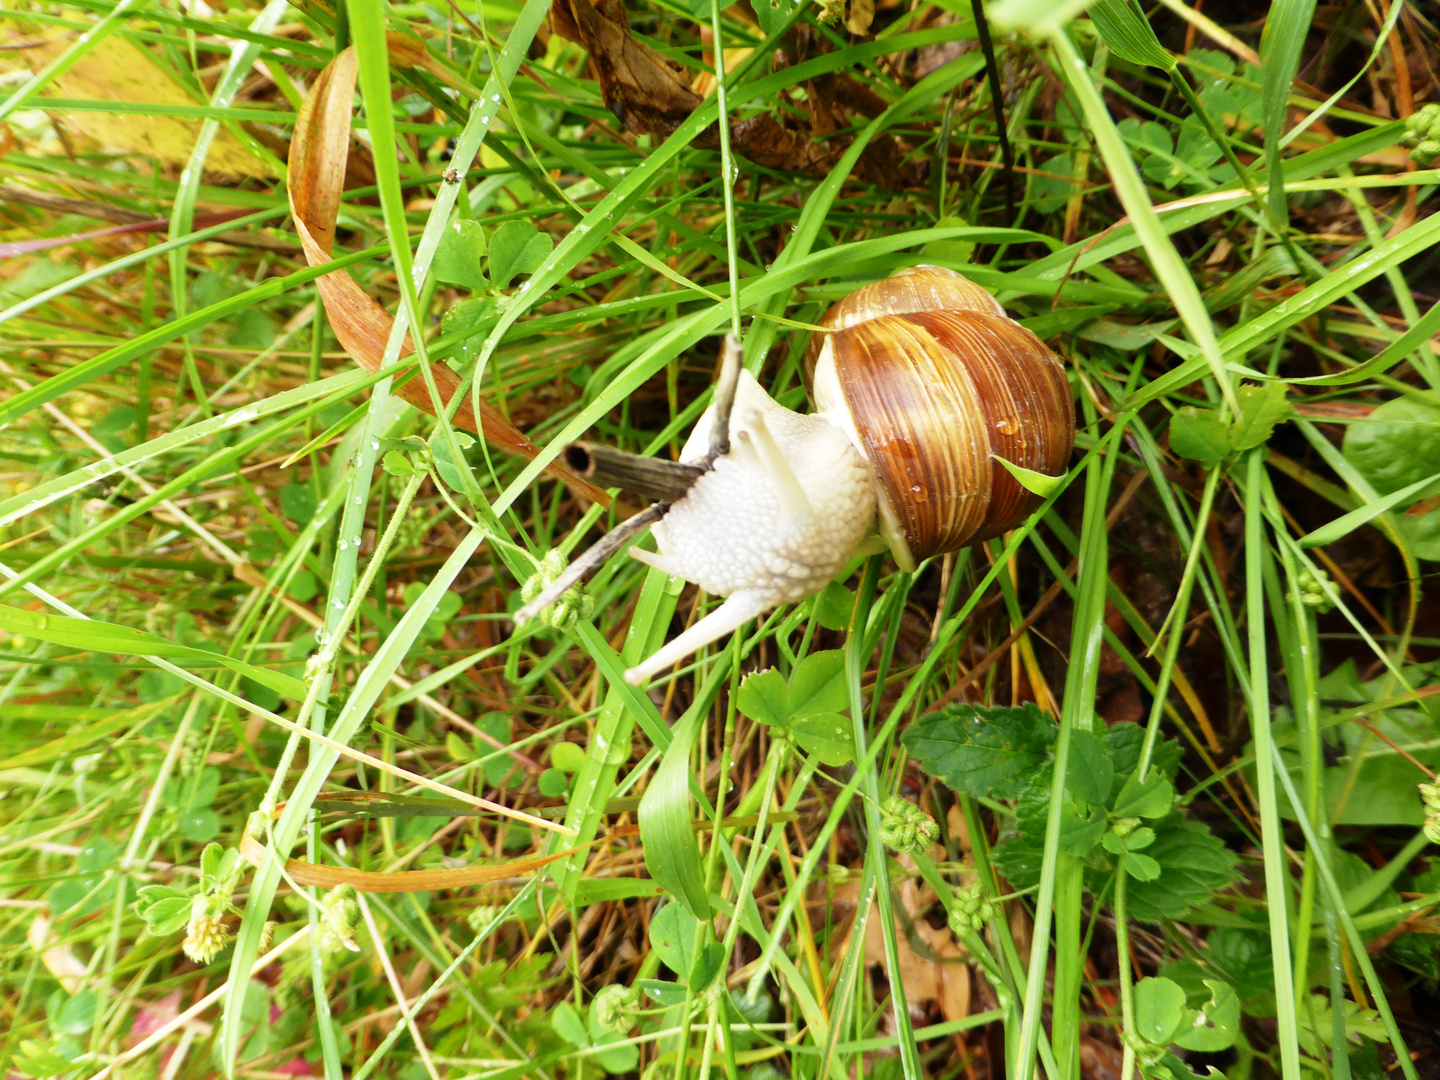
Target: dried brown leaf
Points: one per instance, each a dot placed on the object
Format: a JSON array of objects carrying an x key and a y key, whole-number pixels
[{"x": 319, "y": 152}]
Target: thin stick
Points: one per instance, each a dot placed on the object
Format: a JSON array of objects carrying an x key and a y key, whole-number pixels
[
  {"x": 997, "y": 100},
  {"x": 724, "y": 401}
]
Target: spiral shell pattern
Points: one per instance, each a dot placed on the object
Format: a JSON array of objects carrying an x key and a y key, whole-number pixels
[{"x": 933, "y": 396}]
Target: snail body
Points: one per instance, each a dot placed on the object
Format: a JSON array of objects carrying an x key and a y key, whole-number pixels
[{"x": 920, "y": 383}]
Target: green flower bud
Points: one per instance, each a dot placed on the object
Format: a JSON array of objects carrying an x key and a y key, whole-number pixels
[
  {"x": 1313, "y": 585},
  {"x": 970, "y": 912},
  {"x": 205, "y": 934},
  {"x": 905, "y": 828},
  {"x": 1430, "y": 797},
  {"x": 1425, "y": 152},
  {"x": 575, "y": 604},
  {"x": 481, "y": 917},
  {"x": 1124, "y": 826},
  {"x": 616, "y": 1007},
  {"x": 339, "y": 920}
]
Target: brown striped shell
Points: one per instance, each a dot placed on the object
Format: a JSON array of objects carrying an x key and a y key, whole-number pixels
[{"x": 933, "y": 382}]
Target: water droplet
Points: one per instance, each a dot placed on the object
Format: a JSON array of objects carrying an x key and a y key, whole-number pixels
[
  {"x": 1007, "y": 425},
  {"x": 344, "y": 544}
]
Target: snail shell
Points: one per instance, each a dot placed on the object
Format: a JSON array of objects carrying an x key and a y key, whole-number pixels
[
  {"x": 920, "y": 383},
  {"x": 932, "y": 382}
]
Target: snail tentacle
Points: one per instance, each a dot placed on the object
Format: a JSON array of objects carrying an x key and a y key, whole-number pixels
[{"x": 738, "y": 609}]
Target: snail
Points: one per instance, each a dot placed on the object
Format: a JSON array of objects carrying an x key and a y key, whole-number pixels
[{"x": 920, "y": 383}]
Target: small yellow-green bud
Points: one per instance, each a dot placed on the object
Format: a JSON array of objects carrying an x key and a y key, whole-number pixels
[
  {"x": 1314, "y": 588},
  {"x": 205, "y": 934},
  {"x": 1124, "y": 826},
  {"x": 339, "y": 920},
  {"x": 970, "y": 911},
  {"x": 481, "y": 917},
  {"x": 575, "y": 603},
  {"x": 615, "y": 1007},
  {"x": 1430, "y": 797},
  {"x": 905, "y": 828}
]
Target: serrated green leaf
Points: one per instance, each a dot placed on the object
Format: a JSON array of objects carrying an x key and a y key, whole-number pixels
[
  {"x": 828, "y": 736},
  {"x": 1090, "y": 773},
  {"x": 457, "y": 259},
  {"x": 518, "y": 247},
  {"x": 1193, "y": 863},
  {"x": 1243, "y": 957},
  {"x": 1160, "y": 1010},
  {"x": 1261, "y": 408},
  {"x": 1079, "y": 835},
  {"x": 980, "y": 751},
  {"x": 1124, "y": 741},
  {"x": 818, "y": 685},
  {"x": 764, "y": 697},
  {"x": 1199, "y": 434},
  {"x": 1151, "y": 799}
]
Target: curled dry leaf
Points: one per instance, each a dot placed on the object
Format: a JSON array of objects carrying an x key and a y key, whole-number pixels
[
  {"x": 399, "y": 881},
  {"x": 319, "y": 152},
  {"x": 650, "y": 95}
]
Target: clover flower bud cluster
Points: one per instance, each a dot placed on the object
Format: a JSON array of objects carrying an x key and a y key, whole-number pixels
[
  {"x": 616, "y": 1008},
  {"x": 905, "y": 828},
  {"x": 971, "y": 911},
  {"x": 339, "y": 920},
  {"x": 482, "y": 916},
  {"x": 1422, "y": 134},
  {"x": 205, "y": 934},
  {"x": 1314, "y": 588},
  {"x": 575, "y": 604},
  {"x": 1430, "y": 796}
]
